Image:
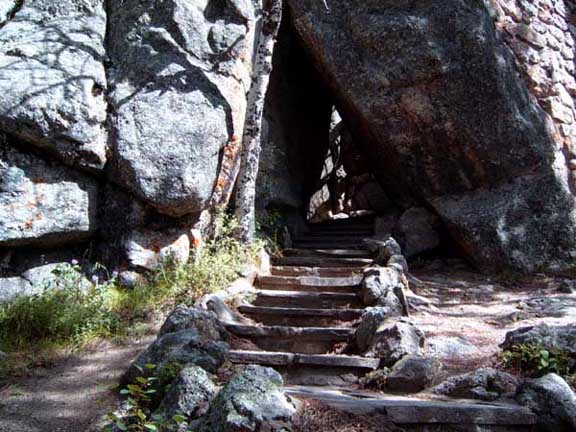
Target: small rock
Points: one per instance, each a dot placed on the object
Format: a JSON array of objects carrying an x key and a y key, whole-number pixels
[
  {"x": 561, "y": 338},
  {"x": 413, "y": 374},
  {"x": 393, "y": 341},
  {"x": 153, "y": 249},
  {"x": 189, "y": 395},
  {"x": 567, "y": 287},
  {"x": 372, "y": 319},
  {"x": 553, "y": 402},
  {"x": 205, "y": 323},
  {"x": 451, "y": 348},
  {"x": 3, "y": 356},
  {"x": 399, "y": 260},
  {"x": 379, "y": 285},
  {"x": 130, "y": 279},
  {"x": 484, "y": 384},
  {"x": 251, "y": 401},
  {"x": 183, "y": 347}
]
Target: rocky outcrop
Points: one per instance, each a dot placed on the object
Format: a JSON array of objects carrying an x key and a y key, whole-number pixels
[
  {"x": 562, "y": 338},
  {"x": 42, "y": 204},
  {"x": 448, "y": 123},
  {"x": 52, "y": 77},
  {"x": 552, "y": 400},
  {"x": 178, "y": 348},
  {"x": 189, "y": 394},
  {"x": 185, "y": 65},
  {"x": 251, "y": 401},
  {"x": 483, "y": 384},
  {"x": 413, "y": 374}
]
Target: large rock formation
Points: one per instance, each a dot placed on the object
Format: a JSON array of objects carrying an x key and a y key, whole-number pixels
[
  {"x": 52, "y": 77},
  {"x": 434, "y": 94},
  {"x": 180, "y": 70},
  {"x": 42, "y": 204}
]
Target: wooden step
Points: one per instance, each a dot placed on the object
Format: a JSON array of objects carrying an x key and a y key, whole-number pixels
[
  {"x": 289, "y": 359},
  {"x": 317, "y": 271},
  {"x": 357, "y": 245},
  {"x": 321, "y": 262},
  {"x": 424, "y": 414},
  {"x": 299, "y": 317},
  {"x": 309, "y": 300},
  {"x": 305, "y": 340},
  {"x": 329, "y": 253},
  {"x": 310, "y": 283}
]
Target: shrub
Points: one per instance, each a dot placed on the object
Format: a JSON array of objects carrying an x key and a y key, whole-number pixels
[
  {"x": 535, "y": 360},
  {"x": 73, "y": 311}
]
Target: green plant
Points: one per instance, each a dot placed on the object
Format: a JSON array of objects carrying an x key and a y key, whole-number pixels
[
  {"x": 535, "y": 360},
  {"x": 138, "y": 416},
  {"x": 270, "y": 229}
]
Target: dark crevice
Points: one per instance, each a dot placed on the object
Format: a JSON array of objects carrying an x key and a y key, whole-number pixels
[{"x": 17, "y": 7}]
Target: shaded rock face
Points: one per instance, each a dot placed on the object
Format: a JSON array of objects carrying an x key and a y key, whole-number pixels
[
  {"x": 178, "y": 76},
  {"x": 42, "y": 204},
  {"x": 252, "y": 401},
  {"x": 552, "y": 400},
  {"x": 394, "y": 340},
  {"x": 448, "y": 123},
  {"x": 205, "y": 323},
  {"x": 52, "y": 77}
]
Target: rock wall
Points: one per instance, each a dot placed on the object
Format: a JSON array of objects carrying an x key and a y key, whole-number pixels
[
  {"x": 114, "y": 116},
  {"x": 436, "y": 97},
  {"x": 541, "y": 36}
]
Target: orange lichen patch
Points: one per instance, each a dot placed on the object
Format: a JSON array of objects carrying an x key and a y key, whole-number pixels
[{"x": 29, "y": 224}]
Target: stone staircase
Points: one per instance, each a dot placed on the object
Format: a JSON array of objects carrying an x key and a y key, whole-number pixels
[{"x": 302, "y": 322}]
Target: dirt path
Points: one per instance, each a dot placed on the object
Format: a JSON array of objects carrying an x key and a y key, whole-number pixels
[{"x": 71, "y": 397}]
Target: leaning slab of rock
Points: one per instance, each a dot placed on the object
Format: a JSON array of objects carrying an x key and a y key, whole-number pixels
[
  {"x": 393, "y": 341},
  {"x": 252, "y": 401},
  {"x": 484, "y": 384},
  {"x": 413, "y": 374},
  {"x": 52, "y": 78},
  {"x": 205, "y": 323},
  {"x": 186, "y": 63},
  {"x": 189, "y": 394},
  {"x": 427, "y": 118},
  {"x": 553, "y": 402},
  {"x": 561, "y": 338},
  {"x": 182, "y": 348},
  {"x": 41, "y": 204}
]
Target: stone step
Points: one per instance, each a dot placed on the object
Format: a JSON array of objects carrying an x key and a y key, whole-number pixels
[
  {"x": 424, "y": 414},
  {"x": 321, "y": 262},
  {"x": 357, "y": 245},
  {"x": 299, "y": 317},
  {"x": 329, "y": 253},
  {"x": 310, "y": 283},
  {"x": 317, "y": 271},
  {"x": 269, "y": 358},
  {"x": 309, "y": 300},
  {"x": 306, "y": 340}
]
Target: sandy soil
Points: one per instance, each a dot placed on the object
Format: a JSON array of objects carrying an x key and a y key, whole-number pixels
[{"x": 71, "y": 397}]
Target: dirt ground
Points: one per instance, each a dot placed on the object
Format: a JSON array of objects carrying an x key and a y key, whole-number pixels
[
  {"x": 468, "y": 314},
  {"x": 71, "y": 397}
]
